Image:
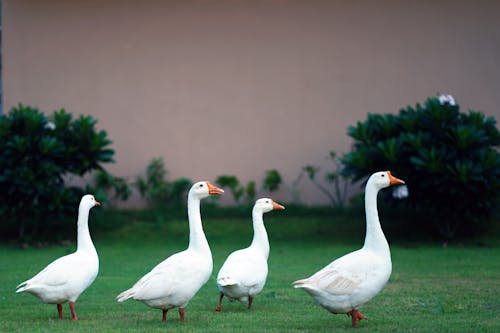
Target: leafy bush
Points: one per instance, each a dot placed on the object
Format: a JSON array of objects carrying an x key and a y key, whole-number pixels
[
  {"x": 272, "y": 180},
  {"x": 449, "y": 160},
  {"x": 177, "y": 191},
  {"x": 157, "y": 190},
  {"x": 35, "y": 156},
  {"x": 251, "y": 191},
  {"x": 109, "y": 188},
  {"x": 153, "y": 187},
  {"x": 238, "y": 190}
]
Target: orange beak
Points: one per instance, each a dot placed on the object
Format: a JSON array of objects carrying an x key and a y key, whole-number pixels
[
  {"x": 97, "y": 203},
  {"x": 277, "y": 206},
  {"x": 393, "y": 180},
  {"x": 212, "y": 190}
]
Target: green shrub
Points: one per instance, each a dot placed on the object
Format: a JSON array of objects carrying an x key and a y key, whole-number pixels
[
  {"x": 177, "y": 191},
  {"x": 449, "y": 160},
  {"x": 157, "y": 190},
  {"x": 272, "y": 180},
  {"x": 238, "y": 190},
  {"x": 246, "y": 194},
  {"x": 109, "y": 188},
  {"x": 36, "y": 154},
  {"x": 153, "y": 187},
  {"x": 251, "y": 191}
]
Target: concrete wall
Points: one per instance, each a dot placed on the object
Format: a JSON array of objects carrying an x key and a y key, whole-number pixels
[{"x": 239, "y": 87}]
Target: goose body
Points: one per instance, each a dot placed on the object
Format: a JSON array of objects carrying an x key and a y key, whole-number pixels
[
  {"x": 175, "y": 281},
  {"x": 244, "y": 273},
  {"x": 66, "y": 278},
  {"x": 355, "y": 278}
]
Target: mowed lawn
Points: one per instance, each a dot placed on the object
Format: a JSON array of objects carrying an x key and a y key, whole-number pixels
[{"x": 432, "y": 289}]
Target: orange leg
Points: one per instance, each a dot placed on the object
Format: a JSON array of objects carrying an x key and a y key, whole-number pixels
[
  {"x": 181, "y": 314},
  {"x": 218, "y": 308},
  {"x": 59, "y": 310},
  {"x": 356, "y": 316},
  {"x": 164, "y": 316},
  {"x": 73, "y": 311}
]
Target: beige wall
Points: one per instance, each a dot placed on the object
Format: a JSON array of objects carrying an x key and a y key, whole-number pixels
[{"x": 240, "y": 87}]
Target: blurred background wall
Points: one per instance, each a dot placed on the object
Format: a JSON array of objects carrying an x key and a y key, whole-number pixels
[{"x": 240, "y": 87}]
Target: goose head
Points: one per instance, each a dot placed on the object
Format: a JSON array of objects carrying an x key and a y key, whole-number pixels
[
  {"x": 383, "y": 179},
  {"x": 266, "y": 205},
  {"x": 88, "y": 201},
  {"x": 203, "y": 189}
]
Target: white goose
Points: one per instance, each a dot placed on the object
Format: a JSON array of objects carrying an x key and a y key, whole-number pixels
[
  {"x": 244, "y": 272},
  {"x": 174, "y": 281},
  {"x": 67, "y": 277},
  {"x": 352, "y": 280}
]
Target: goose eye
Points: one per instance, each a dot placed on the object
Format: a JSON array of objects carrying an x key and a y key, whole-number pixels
[
  {"x": 201, "y": 185},
  {"x": 383, "y": 175}
]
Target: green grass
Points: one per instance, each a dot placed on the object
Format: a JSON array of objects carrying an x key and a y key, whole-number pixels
[{"x": 432, "y": 289}]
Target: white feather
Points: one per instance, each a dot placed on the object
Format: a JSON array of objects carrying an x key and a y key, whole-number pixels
[
  {"x": 175, "y": 281},
  {"x": 244, "y": 272},
  {"x": 67, "y": 277},
  {"x": 352, "y": 280}
]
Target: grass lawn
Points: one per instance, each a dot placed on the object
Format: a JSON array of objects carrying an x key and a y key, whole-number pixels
[{"x": 432, "y": 289}]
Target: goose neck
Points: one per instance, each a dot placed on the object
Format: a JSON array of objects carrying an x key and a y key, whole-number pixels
[
  {"x": 375, "y": 239},
  {"x": 197, "y": 239},
  {"x": 84, "y": 241},
  {"x": 260, "y": 240}
]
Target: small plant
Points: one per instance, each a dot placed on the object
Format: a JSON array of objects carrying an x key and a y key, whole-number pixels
[
  {"x": 153, "y": 187},
  {"x": 110, "y": 188},
  {"x": 238, "y": 190},
  {"x": 37, "y": 154},
  {"x": 251, "y": 191},
  {"x": 340, "y": 181},
  {"x": 157, "y": 190},
  {"x": 177, "y": 191},
  {"x": 272, "y": 180},
  {"x": 449, "y": 160}
]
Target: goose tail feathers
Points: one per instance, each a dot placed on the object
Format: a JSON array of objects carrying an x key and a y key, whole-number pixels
[
  {"x": 299, "y": 283},
  {"x": 303, "y": 284},
  {"x": 125, "y": 295},
  {"x": 22, "y": 287}
]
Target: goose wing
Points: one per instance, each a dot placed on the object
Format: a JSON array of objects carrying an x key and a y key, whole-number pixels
[
  {"x": 243, "y": 267},
  {"x": 174, "y": 274},
  {"x": 341, "y": 277},
  {"x": 57, "y": 273}
]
